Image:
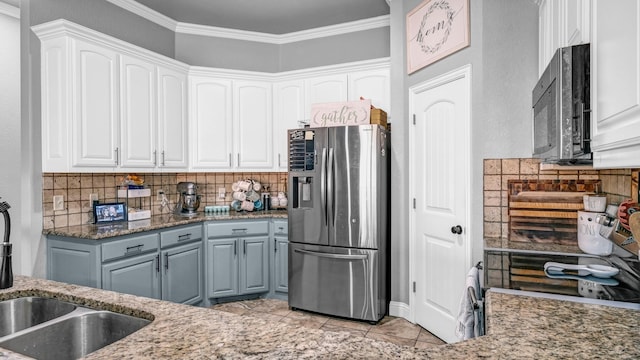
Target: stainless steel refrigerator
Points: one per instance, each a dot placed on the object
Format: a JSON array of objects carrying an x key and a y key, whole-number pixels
[{"x": 338, "y": 211}]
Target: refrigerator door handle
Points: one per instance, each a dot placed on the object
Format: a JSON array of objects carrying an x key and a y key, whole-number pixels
[
  {"x": 323, "y": 184},
  {"x": 330, "y": 187},
  {"x": 332, "y": 256}
]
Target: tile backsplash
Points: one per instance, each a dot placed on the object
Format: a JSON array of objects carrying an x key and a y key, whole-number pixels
[
  {"x": 76, "y": 188},
  {"x": 617, "y": 184}
]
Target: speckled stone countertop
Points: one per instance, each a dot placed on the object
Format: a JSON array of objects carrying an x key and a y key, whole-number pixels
[
  {"x": 500, "y": 244},
  {"x": 519, "y": 327},
  {"x": 96, "y": 232}
]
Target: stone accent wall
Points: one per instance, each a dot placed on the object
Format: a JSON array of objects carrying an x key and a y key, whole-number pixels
[
  {"x": 617, "y": 184},
  {"x": 76, "y": 187}
]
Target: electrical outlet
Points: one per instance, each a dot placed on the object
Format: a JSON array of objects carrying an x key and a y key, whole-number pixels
[
  {"x": 58, "y": 202},
  {"x": 93, "y": 197},
  {"x": 159, "y": 195},
  {"x": 222, "y": 192}
]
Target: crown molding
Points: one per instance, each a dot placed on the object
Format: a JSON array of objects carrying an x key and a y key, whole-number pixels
[
  {"x": 213, "y": 31},
  {"x": 146, "y": 12},
  {"x": 61, "y": 27},
  {"x": 9, "y": 10}
]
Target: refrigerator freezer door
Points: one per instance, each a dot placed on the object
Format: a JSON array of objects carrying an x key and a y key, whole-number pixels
[
  {"x": 335, "y": 281},
  {"x": 356, "y": 178},
  {"x": 307, "y": 187}
]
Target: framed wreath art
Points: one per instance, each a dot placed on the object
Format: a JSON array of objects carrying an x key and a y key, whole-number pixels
[{"x": 436, "y": 29}]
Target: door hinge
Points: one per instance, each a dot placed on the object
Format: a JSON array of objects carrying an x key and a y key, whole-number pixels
[
  {"x": 414, "y": 203},
  {"x": 414, "y": 286},
  {"x": 414, "y": 119}
]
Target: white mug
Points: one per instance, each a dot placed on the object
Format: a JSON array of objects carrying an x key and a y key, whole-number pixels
[
  {"x": 594, "y": 203},
  {"x": 235, "y": 186},
  {"x": 283, "y": 201},
  {"x": 275, "y": 201},
  {"x": 257, "y": 186},
  {"x": 239, "y": 195},
  {"x": 244, "y": 185},
  {"x": 247, "y": 205},
  {"x": 281, "y": 195}
]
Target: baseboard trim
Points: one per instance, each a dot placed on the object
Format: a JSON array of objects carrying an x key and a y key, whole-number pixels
[{"x": 399, "y": 309}]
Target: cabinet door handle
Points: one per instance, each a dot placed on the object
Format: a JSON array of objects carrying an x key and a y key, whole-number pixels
[
  {"x": 117, "y": 151},
  {"x": 230, "y": 164},
  {"x": 238, "y": 164},
  {"x": 279, "y": 161},
  {"x": 162, "y": 153},
  {"x": 155, "y": 158},
  {"x": 235, "y": 248},
  {"x": 158, "y": 263},
  {"x": 166, "y": 261},
  {"x": 244, "y": 250},
  {"x": 134, "y": 249},
  {"x": 184, "y": 237},
  {"x": 275, "y": 246}
]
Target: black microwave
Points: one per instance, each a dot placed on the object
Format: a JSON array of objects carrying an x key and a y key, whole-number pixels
[{"x": 561, "y": 108}]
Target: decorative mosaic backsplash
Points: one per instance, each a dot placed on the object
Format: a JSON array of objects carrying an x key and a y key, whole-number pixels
[
  {"x": 616, "y": 184},
  {"x": 76, "y": 187}
]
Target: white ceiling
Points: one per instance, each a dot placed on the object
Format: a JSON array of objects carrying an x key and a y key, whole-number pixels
[{"x": 268, "y": 16}]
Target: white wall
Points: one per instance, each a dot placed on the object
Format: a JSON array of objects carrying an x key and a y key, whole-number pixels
[
  {"x": 10, "y": 161},
  {"x": 503, "y": 58}
]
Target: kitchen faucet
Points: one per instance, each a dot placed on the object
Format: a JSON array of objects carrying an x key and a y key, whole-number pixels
[{"x": 6, "y": 273}]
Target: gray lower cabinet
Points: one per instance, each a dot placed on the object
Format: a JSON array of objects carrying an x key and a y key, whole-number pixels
[
  {"x": 280, "y": 255},
  {"x": 137, "y": 276},
  {"x": 237, "y": 258},
  {"x": 164, "y": 265}
]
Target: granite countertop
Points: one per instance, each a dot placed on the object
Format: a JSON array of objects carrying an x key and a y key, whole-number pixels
[
  {"x": 502, "y": 244},
  {"x": 97, "y": 232},
  {"x": 518, "y": 326}
]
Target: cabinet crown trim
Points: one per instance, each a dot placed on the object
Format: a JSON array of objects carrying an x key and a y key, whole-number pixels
[
  {"x": 214, "y": 31},
  {"x": 61, "y": 27}
]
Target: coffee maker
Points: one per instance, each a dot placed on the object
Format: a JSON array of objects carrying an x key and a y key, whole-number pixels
[{"x": 189, "y": 200}]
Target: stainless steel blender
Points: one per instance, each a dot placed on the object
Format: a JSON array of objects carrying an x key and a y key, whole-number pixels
[{"x": 189, "y": 200}]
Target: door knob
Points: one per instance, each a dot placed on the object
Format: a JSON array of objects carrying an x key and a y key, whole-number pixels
[{"x": 456, "y": 229}]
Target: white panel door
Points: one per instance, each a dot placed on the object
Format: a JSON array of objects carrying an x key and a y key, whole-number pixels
[
  {"x": 331, "y": 88},
  {"x": 95, "y": 106},
  {"x": 253, "y": 124},
  {"x": 372, "y": 85},
  {"x": 137, "y": 112},
  {"x": 172, "y": 119},
  {"x": 440, "y": 183},
  {"x": 288, "y": 113},
  {"x": 210, "y": 123}
]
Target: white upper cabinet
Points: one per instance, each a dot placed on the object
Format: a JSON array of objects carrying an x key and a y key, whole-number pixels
[
  {"x": 95, "y": 106},
  {"x": 253, "y": 125},
  {"x": 56, "y": 105},
  {"x": 108, "y": 105},
  {"x": 615, "y": 84},
  {"x": 372, "y": 85},
  {"x": 288, "y": 113},
  {"x": 231, "y": 124},
  {"x": 173, "y": 138},
  {"x": 210, "y": 123},
  {"x": 138, "y": 113},
  {"x": 561, "y": 23},
  {"x": 321, "y": 89}
]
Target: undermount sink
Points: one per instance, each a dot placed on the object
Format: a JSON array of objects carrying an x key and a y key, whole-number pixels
[
  {"x": 21, "y": 313},
  {"x": 53, "y": 329}
]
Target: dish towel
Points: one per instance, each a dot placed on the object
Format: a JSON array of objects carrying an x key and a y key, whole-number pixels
[{"x": 468, "y": 324}]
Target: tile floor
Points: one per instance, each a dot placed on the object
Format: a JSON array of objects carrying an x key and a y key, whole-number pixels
[{"x": 395, "y": 330}]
